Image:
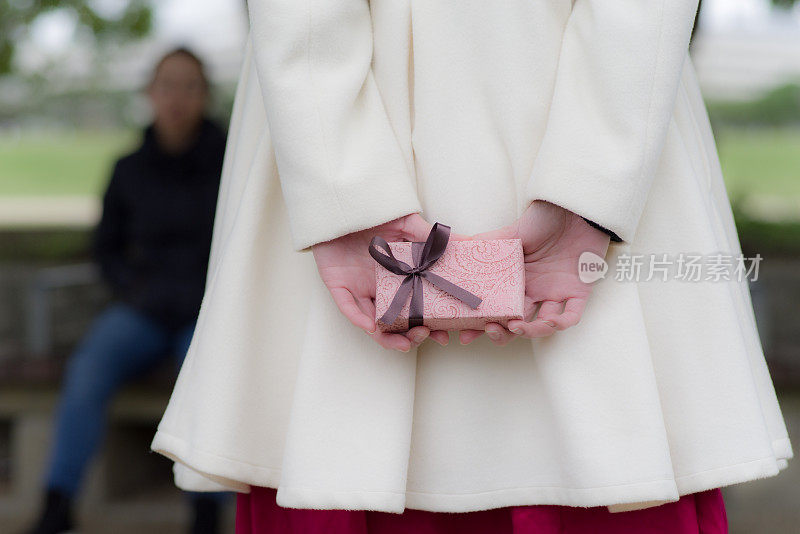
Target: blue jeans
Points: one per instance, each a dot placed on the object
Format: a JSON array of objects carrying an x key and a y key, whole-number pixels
[{"x": 121, "y": 344}]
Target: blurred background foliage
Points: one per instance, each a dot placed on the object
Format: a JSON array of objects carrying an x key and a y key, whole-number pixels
[
  {"x": 778, "y": 107},
  {"x": 133, "y": 20},
  {"x": 61, "y": 132}
]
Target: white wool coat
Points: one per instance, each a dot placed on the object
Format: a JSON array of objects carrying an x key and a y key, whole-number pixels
[{"x": 351, "y": 113}]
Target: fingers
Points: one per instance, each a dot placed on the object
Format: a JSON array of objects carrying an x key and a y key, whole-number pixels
[
  {"x": 465, "y": 337},
  {"x": 549, "y": 310},
  {"x": 417, "y": 335},
  {"x": 413, "y": 338},
  {"x": 562, "y": 315},
  {"x": 532, "y": 329},
  {"x": 552, "y": 317},
  {"x": 499, "y": 335},
  {"x": 347, "y": 305},
  {"x": 404, "y": 341},
  {"x": 391, "y": 341},
  {"x": 442, "y": 337}
]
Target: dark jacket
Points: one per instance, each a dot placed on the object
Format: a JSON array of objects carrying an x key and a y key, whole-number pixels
[{"x": 153, "y": 239}]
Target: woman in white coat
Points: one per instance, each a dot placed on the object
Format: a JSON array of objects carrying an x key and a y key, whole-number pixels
[{"x": 518, "y": 118}]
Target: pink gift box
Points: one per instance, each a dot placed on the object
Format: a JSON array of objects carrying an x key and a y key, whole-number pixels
[{"x": 492, "y": 269}]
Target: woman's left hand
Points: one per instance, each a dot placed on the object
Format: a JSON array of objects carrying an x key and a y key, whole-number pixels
[
  {"x": 553, "y": 239},
  {"x": 348, "y": 271}
]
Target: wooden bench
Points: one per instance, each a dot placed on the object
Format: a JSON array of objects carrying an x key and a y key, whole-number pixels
[{"x": 127, "y": 485}]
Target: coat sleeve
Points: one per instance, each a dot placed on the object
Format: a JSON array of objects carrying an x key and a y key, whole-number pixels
[
  {"x": 340, "y": 164},
  {"x": 110, "y": 238},
  {"x": 615, "y": 88}
]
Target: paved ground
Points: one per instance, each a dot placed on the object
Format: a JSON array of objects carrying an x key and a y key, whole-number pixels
[
  {"x": 768, "y": 506},
  {"x": 771, "y": 505}
]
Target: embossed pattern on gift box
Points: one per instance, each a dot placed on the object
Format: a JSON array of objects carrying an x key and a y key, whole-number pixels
[{"x": 492, "y": 269}]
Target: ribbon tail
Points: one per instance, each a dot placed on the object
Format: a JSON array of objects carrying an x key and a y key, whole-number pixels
[
  {"x": 470, "y": 299},
  {"x": 399, "y": 299},
  {"x": 417, "y": 304}
]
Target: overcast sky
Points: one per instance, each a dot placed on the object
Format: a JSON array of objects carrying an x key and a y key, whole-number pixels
[
  {"x": 219, "y": 17},
  {"x": 222, "y": 22}
]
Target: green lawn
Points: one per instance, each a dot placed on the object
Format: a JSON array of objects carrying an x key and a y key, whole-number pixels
[
  {"x": 61, "y": 164},
  {"x": 762, "y": 162}
]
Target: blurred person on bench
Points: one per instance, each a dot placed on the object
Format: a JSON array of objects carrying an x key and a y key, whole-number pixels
[{"x": 152, "y": 245}]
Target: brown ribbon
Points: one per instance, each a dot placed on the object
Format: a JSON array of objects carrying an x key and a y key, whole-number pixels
[{"x": 423, "y": 258}]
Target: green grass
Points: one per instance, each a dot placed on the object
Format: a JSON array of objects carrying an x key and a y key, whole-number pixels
[
  {"x": 754, "y": 161},
  {"x": 60, "y": 163},
  {"x": 760, "y": 161}
]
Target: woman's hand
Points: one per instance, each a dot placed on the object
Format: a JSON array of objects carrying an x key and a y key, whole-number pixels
[
  {"x": 348, "y": 270},
  {"x": 553, "y": 239}
]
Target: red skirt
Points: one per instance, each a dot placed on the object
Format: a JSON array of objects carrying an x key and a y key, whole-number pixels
[{"x": 695, "y": 513}]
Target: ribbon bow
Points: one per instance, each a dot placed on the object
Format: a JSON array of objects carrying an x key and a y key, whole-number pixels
[{"x": 423, "y": 258}]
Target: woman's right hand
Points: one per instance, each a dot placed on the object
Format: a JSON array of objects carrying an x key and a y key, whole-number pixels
[{"x": 348, "y": 271}]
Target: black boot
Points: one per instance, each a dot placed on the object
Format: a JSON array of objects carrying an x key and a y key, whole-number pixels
[
  {"x": 56, "y": 515},
  {"x": 206, "y": 516}
]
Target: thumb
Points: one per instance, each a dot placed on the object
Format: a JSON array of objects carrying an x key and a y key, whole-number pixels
[{"x": 416, "y": 228}]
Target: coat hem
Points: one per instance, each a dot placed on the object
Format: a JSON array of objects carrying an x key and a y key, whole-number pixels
[
  {"x": 308, "y": 498},
  {"x": 239, "y": 475}
]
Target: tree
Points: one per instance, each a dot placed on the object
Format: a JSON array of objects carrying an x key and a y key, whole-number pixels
[{"x": 133, "y": 21}]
